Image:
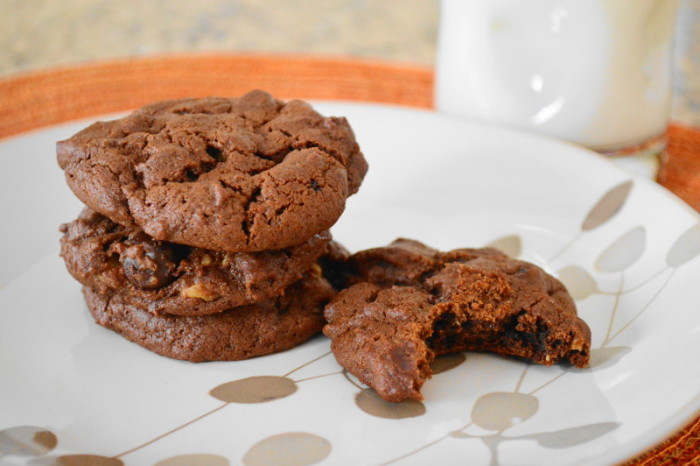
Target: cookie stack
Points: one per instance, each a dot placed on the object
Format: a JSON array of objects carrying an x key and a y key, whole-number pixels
[{"x": 206, "y": 220}]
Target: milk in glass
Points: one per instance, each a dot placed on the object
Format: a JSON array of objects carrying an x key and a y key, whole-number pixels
[{"x": 594, "y": 72}]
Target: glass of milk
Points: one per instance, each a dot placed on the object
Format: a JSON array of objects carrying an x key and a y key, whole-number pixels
[{"x": 593, "y": 72}]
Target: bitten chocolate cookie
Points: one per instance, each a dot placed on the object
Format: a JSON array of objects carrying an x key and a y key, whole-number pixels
[
  {"x": 240, "y": 333},
  {"x": 232, "y": 174},
  {"x": 413, "y": 303},
  {"x": 169, "y": 278}
]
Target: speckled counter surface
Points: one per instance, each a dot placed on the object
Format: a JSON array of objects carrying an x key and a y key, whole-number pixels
[
  {"x": 41, "y": 33},
  {"x": 36, "y": 34}
]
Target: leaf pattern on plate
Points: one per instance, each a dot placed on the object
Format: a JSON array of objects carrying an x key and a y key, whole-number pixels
[
  {"x": 623, "y": 252},
  {"x": 258, "y": 389},
  {"x": 194, "y": 460},
  {"x": 573, "y": 435},
  {"x": 27, "y": 441},
  {"x": 501, "y": 410},
  {"x": 511, "y": 245},
  {"x": 578, "y": 282},
  {"x": 685, "y": 248},
  {"x": 368, "y": 401},
  {"x": 288, "y": 449},
  {"x": 77, "y": 460},
  {"x": 609, "y": 205}
]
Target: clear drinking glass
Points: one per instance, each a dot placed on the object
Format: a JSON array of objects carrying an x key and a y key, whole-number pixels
[{"x": 593, "y": 72}]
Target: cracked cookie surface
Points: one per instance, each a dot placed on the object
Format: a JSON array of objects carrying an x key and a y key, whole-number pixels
[
  {"x": 410, "y": 303},
  {"x": 167, "y": 278},
  {"x": 233, "y": 174},
  {"x": 239, "y": 333}
]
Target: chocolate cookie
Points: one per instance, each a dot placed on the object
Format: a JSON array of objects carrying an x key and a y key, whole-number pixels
[
  {"x": 240, "y": 333},
  {"x": 169, "y": 278},
  {"x": 238, "y": 175},
  {"x": 413, "y": 303}
]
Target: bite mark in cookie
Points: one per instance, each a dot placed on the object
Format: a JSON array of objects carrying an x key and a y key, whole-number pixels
[{"x": 411, "y": 303}]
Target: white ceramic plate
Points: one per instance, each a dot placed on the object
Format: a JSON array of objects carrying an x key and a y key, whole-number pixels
[{"x": 627, "y": 248}]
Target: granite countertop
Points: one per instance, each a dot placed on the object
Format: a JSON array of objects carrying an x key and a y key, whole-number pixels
[{"x": 43, "y": 33}]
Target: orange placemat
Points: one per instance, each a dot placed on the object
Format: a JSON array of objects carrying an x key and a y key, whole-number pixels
[
  {"x": 680, "y": 165},
  {"x": 34, "y": 100}
]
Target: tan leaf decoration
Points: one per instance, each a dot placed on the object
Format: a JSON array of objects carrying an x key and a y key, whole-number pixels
[
  {"x": 194, "y": 460},
  {"x": 26, "y": 441},
  {"x": 77, "y": 460},
  {"x": 258, "y": 389},
  {"x": 511, "y": 245},
  {"x": 501, "y": 410},
  {"x": 368, "y": 401},
  {"x": 574, "y": 435},
  {"x": 289, "y": 449},
  {"x": 578, "y": 282},
  {"x": 686, "y": 247},
  {"x": 624, "y": 252},
  {"x": 446, "y": 362},
  {"x": 606, "y": 208}
]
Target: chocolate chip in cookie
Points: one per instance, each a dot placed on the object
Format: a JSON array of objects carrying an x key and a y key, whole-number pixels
[{"x": 168, "y": 278}]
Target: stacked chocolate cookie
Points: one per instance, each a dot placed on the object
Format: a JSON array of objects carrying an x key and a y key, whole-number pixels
[{"x": 205, "y": 222}]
